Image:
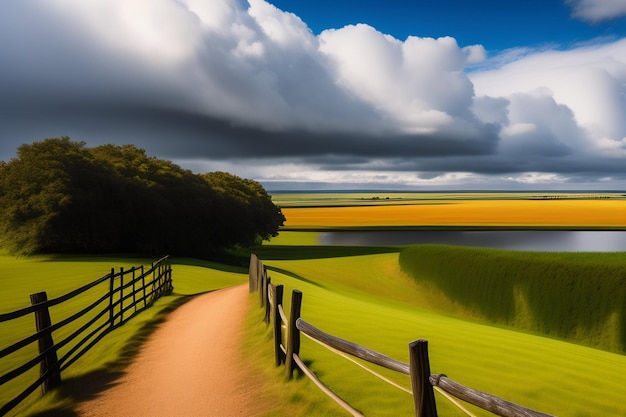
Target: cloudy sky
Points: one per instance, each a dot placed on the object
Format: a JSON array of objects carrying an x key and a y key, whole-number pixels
[{"x": 420, "y": 94}]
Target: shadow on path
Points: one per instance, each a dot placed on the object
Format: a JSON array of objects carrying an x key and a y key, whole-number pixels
[{"x": 88, "y": 386}]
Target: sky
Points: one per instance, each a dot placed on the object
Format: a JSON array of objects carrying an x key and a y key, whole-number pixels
[{"x": 298, "y": 94}]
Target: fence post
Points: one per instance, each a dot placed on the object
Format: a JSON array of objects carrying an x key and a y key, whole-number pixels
[
  {"x": 263, "y": 287},
  {"x": 157, "y": 280},
  {"x": 121, "y": 294},
  {"x": 49, "y": 362},
  {"x": 423, "y": 394},
  {"x": 267, "y": 303},
  {"x": 134, "y": 291},
  {"x": 111, "y": 297},
  {"x": 154, "y": 288},
  {"x": 170, "y": 283},
  {"x": 260, "y": 268},
  {"x": 143, "y": 286},
  {"x": 293, "y": 334},
  {"x": 278, "y": 324},
  {"x": 252, "y": 273}
]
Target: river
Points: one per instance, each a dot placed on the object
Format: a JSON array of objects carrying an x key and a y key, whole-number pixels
[{"x": 531, "y": 240}]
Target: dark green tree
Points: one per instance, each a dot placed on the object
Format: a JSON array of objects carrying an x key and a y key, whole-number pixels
[
  {"x": 59, "y": 196},
  {"x": 258, "y": 218},
  {"x": 40, "y": 192}
]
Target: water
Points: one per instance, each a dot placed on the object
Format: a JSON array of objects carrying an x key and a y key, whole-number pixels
[{"x": 531, "y": 240}]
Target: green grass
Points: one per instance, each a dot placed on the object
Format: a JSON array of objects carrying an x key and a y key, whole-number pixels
[
  {"x": 368, "y": 300},
  {"x": 579, "y": 297},
  {"x": 57, "y": 275},
  {"x": 360, "y": 294},
  {"x": 296, "y": 397}
]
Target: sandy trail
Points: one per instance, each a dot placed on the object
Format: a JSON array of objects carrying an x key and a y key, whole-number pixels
[{"x": 188, "y": 367}]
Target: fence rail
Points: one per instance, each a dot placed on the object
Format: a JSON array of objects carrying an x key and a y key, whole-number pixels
[
  {"x": 423, "y": 383},
  {"x": 128, "y": 292}
]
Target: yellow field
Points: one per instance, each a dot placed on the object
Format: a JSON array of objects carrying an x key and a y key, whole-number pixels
[{"x": 597, "y": 213}]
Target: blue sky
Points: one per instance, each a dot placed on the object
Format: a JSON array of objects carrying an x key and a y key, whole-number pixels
[
  {"x": 420, "y": 95},
  {"x": 497, "y": 25}
]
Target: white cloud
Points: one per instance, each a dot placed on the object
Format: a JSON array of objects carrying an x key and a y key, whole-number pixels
[
  {"x": 159, "y": 31},
  {"x": 475, "y": 54},
  {"x": 418, "y": 83},
  {"x": 247, "y": 62},
  {"x": 533, "y": 178},
  {"x": 586, "y": 87},
  {"x": 516, "y": 129},
  {"x": 286, "y": 29},
  {"x": 597, "y": 10},
  {"x": 222, "y": 76}
]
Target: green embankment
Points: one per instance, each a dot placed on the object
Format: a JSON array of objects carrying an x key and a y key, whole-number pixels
[
  {"x": 369, "y": 300},
  {"x": 579, "y": 297}
]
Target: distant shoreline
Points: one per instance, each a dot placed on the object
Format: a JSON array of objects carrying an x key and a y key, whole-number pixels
[{"x": 383, "y": 191}]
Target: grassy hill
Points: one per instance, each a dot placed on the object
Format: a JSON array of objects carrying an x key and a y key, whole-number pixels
[
  {"x": 580, "y": 297},
  {"x": 370, "y": 299}
]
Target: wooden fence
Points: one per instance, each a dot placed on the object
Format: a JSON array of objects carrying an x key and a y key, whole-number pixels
[
  {"x": 423, "y": 383},
  {"x": 121, "y": 295}
]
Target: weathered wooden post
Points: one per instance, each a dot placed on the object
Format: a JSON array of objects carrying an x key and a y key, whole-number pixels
[
  {"x": 423, "y": 393},
  {"x": 154, "y": 287},
  {"x": 111, "y": 297},
  {"x": 159, "y": 272},
  {"x": 263, "y": 287},
  {"x": 293, "y": 334},
  {"x": 121, "y": 294},
  {"x": 260, "y": 268},
  {"x": 143, "y": 286},
  {"x": 278, "y": 324},
  {"x": 48, "y": 364},
  {"x": 266, "y": 319},
  {"x": 260, "y": 286},
  {"x": 157, "y": 281},
  {"x": 134, "y": 291},
  {"x": 170, "y": 287},
  {"x": 252, "y": 273}
]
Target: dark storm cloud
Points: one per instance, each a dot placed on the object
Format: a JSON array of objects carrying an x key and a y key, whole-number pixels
[
  {"x": 219, "y": 139},
  {"x": 184, "y": 135}
]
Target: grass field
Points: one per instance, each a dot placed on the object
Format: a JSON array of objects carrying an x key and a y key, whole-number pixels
[
  {"x": 361, "y": 294},
  {"x": 350, "y": 198},
  {"x": 367, "y": 299},
  {"x": 579, "y": 297}
]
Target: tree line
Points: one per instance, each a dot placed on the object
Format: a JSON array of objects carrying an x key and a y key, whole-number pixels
[{"x": 59, "y": 196}]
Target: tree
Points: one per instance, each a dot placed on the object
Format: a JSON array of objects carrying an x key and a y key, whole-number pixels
[
  {"x": 37, "y": 189},
  {"x": 248, "y": 202},
  {"x": 59, "y": 196}
]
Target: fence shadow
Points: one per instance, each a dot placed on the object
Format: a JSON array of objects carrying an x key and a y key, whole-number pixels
[
  {"x": 295, "y": 276},
  {"x": 89, "y": 385},
  {"x": 108, "y": 257},
  {"x": 286, "y": 252},
  {"x": 242, "y": 269},
  {"x": 57, "y": 412}
]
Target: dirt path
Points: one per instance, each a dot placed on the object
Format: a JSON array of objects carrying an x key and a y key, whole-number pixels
[{"x": 188, "y": 367}]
